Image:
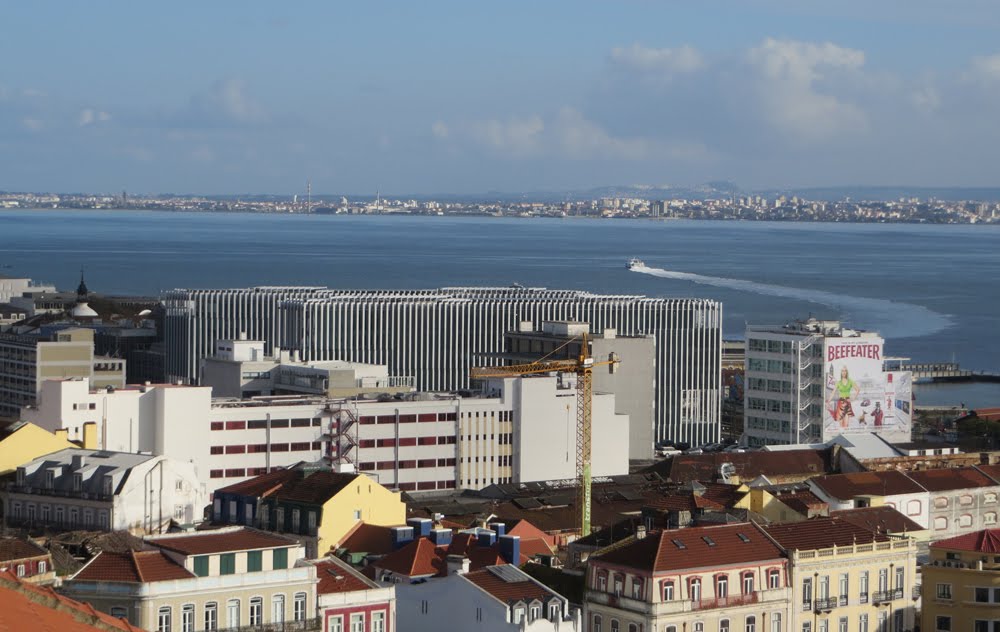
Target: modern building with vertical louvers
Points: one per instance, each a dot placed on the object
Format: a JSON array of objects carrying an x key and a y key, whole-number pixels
[{"x": 436, "y": 336}]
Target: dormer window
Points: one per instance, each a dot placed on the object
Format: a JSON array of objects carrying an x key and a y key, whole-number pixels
[
  {"x": 20, "y": 476},
  {"x": 535, "y": 612},
  {"x": 50, "y": 479},
  {"x": 107, "y": 485},
  {"x": 77, "y": 482},
  {"x": 554, "y": 611}
]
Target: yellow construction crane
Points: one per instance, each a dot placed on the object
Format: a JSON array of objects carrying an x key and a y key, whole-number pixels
[{"x": 583, "y": 366}]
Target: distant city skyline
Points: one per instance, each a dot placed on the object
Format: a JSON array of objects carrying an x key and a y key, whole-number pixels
[{"x": 459, "y": 98}]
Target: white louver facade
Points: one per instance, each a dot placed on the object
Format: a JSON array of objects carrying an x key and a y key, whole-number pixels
[{"x": 438, "y": 335}]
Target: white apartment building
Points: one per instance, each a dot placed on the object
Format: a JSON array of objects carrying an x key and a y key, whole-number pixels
[
  {"x": 809, "y": 381},
  {"x": 11, "y": 287},
  {"x": 110, "y": 491},
  {"x": 521, "y": 429},
  {"x": 436, "y": 336}
]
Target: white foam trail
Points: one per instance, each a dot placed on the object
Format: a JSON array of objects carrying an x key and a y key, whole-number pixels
[{"x": 892, "y": 319}]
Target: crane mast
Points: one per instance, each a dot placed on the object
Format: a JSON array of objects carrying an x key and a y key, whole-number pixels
[{"x": 583, "y": 366}]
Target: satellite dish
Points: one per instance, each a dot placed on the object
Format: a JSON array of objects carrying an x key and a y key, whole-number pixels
[{"x": 145, "y": 312}]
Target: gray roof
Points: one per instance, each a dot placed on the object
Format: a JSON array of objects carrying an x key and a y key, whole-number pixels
[{"x": 93, "y": 466}]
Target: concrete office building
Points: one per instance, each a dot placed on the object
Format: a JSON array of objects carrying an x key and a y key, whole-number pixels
[
  {"x": 809, "y": 381},
  {"x": 631, "y": 381},
  {"x": 520, "y": 429},
  {"x": 27, "y": 360},
  {"x": 240, "y": 369},
  {"x": 438, "y": 335}
]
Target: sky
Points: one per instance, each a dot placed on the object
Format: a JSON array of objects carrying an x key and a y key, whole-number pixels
[{"x": 472, "y": 97}]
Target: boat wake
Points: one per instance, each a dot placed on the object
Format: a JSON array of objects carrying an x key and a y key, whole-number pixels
[{"x": 890, "y": 318}]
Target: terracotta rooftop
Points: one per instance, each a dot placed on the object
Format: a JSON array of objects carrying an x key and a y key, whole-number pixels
[
  {"x": 884, "y": 519},
  {"x": 951, "y": 478},
  {"x": 260, "y": 486},
  {"x": 221, "y": 541},
  {"x": 47, "y": 611},
  {"x": 136, "y": 567},
  {"x": 993, "y": 471},
  {"x": 821, "y": 533},
  {"x": 418, "y": 558},
  {"x": 314, "y": 487},
  {"x": 18, "y": 549},
  {"x": 985, "y": 541},
  {"x": 849, "y": 486},
  {"x": 706, "y": 496},
  {"x": 336, "y": 576},
  {"x": 368, "y": 538},
  {"x": 505, "y": 586},
  {"x": 748, "y": 465},
  {"x": 801, "y": 500},
  {"x": 694, "y": 547}
]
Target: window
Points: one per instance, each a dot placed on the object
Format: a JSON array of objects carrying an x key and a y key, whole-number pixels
[
  {"x": 555, "y": 611},
  {"x": 211, "y": 616},
  {"x": 721, "y": 586},
  {"x": 119, "y": 612},
  {"x": 699, "y": 626},
  {"x": 668, "y": 591},
  {"x": 299, "y": 606},
  {"x": 944, "y": 591},
  {"x": 254, "y": 561},
  {"x": 863, "y": 586},
  {"x": 987, "y": 595},
  {"x": 807, "y": 593},
  {"x": 844, "y": 588},
  {"x": 842, "y": 624},
  {"x": 942, "y": 624},
  {"x": 278, "y": 609},
  {"x": 940, "y": 523},
  {"x": 636, "y": 588},
  {"x": 774, "y": 578},
  {"x": 336, "y": 624},
  {"x": 863, "y": 623},
  {"x": 747, "y": 583},
  {"x": 256, "y": 610},
  {"x": 163, "y": 619},
  {"x": 280, "y": 559},
  {"x": 227, "y": 564},
  {"x": 900, "y": 577},
  {"x": 632, "y": 627},
  {"x": 42, "y": 567},
  {"x": 883, "y": 580},
  {"x": 20, "y": 570},
  {"x": 807, "y": 626},
  {"x": 694, "y": 589},
  {"x": 965, "y": 520},
  {"x": 776, "y": 622},
  {"x": 602, "y": 581},
  {"x": 233, "y": 613},
  {"x": 724, "y": 625},
  {"x": 614, "y": 626},
  {"x": 619, "y": 580},
  {"x": 988, "y": 518},
  {"x": 201, "y": 565},
  {"x": 534, "y": 612},
  {"x": 519, "y": 616},
  {"x": 378, "y": 621},
  {"x": 751, "y": 624},
  {"x": 824, "y": 587},
  {"x": 596, "y": 627},
  {"x": 187, "y": 618},
  {"x": 823, "y": 626}
]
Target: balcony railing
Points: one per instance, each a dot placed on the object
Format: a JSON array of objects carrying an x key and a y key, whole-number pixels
[
  {"x": 883, "y": 596},
  {"x": 826, "y": 603},
  {"x": 807, "y": 604},
  {"x": 863, "y": 598},
  {"x": 724, "y": 602},
  {"x": 309, "y": 625}
]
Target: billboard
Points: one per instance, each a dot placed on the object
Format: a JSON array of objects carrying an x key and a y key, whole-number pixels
[{"x": 854, "y": 386}]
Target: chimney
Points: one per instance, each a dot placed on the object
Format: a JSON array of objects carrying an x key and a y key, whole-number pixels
[
  {"x": 90, "y": 435},
  {"x": 510, "y": 549},
  {"x": 78, "y": 462},
  {"x": 499, "y": 527},
  {"x": 458, "y": 564},
  {"x": 486, "y": 538},
  {"x": 421, "y": 526},
  {"x": 440, "y": 537},
  {"x": 401, "y": 536}
]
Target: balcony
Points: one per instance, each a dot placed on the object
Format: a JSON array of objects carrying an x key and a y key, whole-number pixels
[
  {"x": 309, "y": 625},
  {"x": 680, "y": 606},
  {"x": 725, "y": 602},
  {"x": 826, "y": 603},
  {"x": 885, "y": 596}
]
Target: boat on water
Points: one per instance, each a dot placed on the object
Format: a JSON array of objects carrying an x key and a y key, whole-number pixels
[{"x": 634, "y": 263}]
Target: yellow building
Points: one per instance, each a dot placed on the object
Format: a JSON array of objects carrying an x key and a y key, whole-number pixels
[
  {"x": 316, "y": 505},
  {"x": 23, "y": 442},
  {"x": 961, "y": 584},
  {"x": 847, "y": 578}
]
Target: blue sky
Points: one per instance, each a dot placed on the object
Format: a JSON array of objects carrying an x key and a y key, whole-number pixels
[{"x": 467, "y": 97}]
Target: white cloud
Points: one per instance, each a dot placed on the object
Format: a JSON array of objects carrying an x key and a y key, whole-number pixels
[
  {"x": 32, "y": 124},
  {"x": 440, "y": 129},
  {"x": 567, "y": 134},
  {"x": 664, "y": 62},
  {"x": 926, "y": 99},
  {"x": 788, "y": 73},
  {"x": 984, "y": 69},
  {"x": 89, "y": 116}
]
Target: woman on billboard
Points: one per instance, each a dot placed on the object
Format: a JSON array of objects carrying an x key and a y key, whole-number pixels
[{"x": 846, "y": 389}]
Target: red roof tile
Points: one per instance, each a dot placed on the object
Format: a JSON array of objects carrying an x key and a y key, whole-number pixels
[
  {"x": 688, "y": 548},
  {"x": 19, "y": 549},
  {"x": 260, "y": 486},
  {"x": 221, "y": 541},
  {"x": 883, "y": 519},
  {"x": 951, "y": 478},
  {"x": 993, "y": 471},
  {"x": 21, "y": 603},
  {"x": 748, "y": 465},
  {"x": 509, "y": 591},
  {"x": 368, "y": 538},
  {"x": 418, "y": 558},
  {"x": 335, "y": 576},
  {"x": 821, "y": 533},
  {"x": 134, "y": 567},
  {"x": 314, "y": 487},
  {"x": 848, "y": 486},
  {"x": 985, "y": 541}
]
